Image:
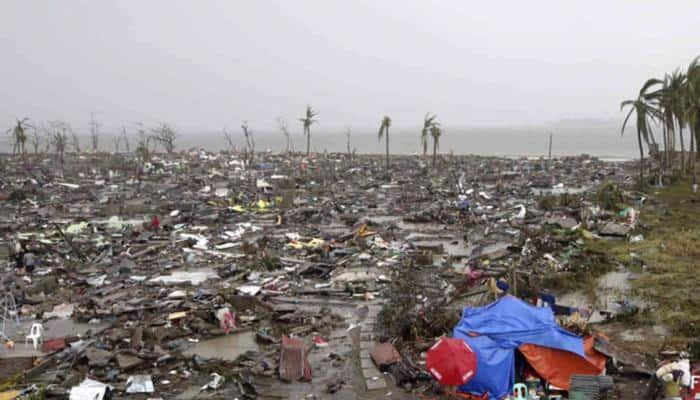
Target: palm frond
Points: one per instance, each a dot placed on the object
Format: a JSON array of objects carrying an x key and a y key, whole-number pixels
[{"x": 622, "y": 131}]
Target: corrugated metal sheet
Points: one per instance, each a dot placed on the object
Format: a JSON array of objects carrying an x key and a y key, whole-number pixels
[
  {"x": 592, "y": 387},
  {"x": 293, "y": 363}
]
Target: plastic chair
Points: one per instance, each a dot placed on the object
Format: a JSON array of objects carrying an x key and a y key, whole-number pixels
[
  {"x": 520, "y": 391},
  {"x": 34, "y": 335}
]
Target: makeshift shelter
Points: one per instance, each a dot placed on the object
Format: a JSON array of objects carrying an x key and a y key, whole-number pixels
[
  {"x": 497, "y": 330},
  {"x": 558, "y": 366}
]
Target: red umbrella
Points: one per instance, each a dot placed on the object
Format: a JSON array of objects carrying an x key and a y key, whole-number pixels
[{"x": 451, "y": 361}]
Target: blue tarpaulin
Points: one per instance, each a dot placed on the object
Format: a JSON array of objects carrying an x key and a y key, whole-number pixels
[{"x": 501, "y": 327}]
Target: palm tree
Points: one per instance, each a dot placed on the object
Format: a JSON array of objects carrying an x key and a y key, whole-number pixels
[
  {"x": 19, "y": 135},
  {"x": 307, "y": 121},
  {"x": 665, "y": 109},
  {"x": 646, "y": 113},
  {"x": 670, "y": 100},
  {"x": 384, "y": 131},
  {"x": 435, "y": 132},
  {"x": 428, "y": 121},
  {"x": 677, "y": 87},
  {"x": 60, "y": 138},
  {"x": 249, "y": 141},
  {"x": 282, "y": 124},
  {"x": 692, "y": 112}
]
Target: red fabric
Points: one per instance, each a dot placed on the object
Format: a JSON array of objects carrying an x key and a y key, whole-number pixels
[
  {"x": 228, "y": 323},
  {"x": 451, "y": 361},
  {"x": 557, "y": 366},
  {"x": 53, "y": 345},
  {"x": 155, "y": 223}
]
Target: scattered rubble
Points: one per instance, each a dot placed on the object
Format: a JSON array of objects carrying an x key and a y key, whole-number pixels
[{"x": 204, "y": 273}]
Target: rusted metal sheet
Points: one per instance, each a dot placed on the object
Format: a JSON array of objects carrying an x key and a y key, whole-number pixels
[
  {"x": 294, "y": 365},
  {"x": 385, "y": 354}
]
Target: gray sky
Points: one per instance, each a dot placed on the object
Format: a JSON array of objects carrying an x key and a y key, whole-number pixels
[{"x": 206, "y": 64}]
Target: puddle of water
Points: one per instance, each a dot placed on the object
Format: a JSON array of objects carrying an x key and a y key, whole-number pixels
[
  {"x": 226, "y": 348},
  {"x": 194, "y": 277},
  {"x": 189, "y": 394},
  {"x": 557, "y": 191},
  {"x": 324, "y": 373},
  {"x": 406, "y": 226},
  {"x": 611, "y": 287}
]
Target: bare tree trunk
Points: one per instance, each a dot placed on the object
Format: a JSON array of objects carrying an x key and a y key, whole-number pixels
[
  {"x": 434, "y": 151},
  {"x": 696, "y": 133},
  {"x": 672, "y": 145},
  {"x": 641, "y": 160},
  {"x": 387, "y": 153},
  {"x": 691, "y": 151},
  {"x": 680, "y": 133},
  {"x": 308, "y": 141},
  {"x": 664, "y": 161}
]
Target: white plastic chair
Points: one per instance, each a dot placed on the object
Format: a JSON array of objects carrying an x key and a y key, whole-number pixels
[
  {"x": 34, "y": 335},
  {"x": 520, "y": 391}
]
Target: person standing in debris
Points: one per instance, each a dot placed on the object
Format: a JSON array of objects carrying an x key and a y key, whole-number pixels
[
  {"x": 24, "y": 258},
  {"x": 16, "y": 254},
  {"x": 29, "y": 261}
]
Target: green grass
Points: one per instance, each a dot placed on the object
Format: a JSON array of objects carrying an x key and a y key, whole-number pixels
[{"x": 667, "y": 262}]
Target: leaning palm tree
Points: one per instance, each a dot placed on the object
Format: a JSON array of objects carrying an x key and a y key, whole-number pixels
[
  {"x": 428, "y": 121},
  {"x": 646, "y": 113},
  {"x": 435, "y": 132},
  {"x": 307, "y": 121},
  {"x": 384, "y": 132}
]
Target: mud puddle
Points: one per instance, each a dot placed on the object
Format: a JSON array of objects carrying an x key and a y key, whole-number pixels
[{"x": 227, "y": 348}]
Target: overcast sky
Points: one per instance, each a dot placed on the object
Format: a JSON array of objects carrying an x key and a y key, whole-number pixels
[{"x": 206, "y": 64}]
